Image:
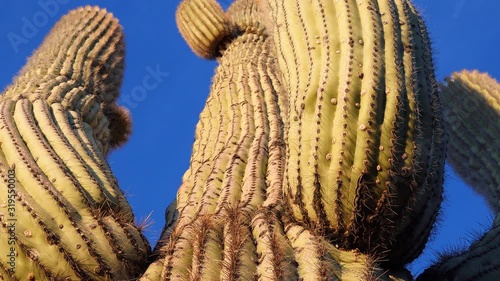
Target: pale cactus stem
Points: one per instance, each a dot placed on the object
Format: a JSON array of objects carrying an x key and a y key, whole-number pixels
[
  {"x": 365, "y": 142},
  {"x": 57, "y": 121},
  {"x": 235, "y": 173},
  {"x": 471, "y": 106}
]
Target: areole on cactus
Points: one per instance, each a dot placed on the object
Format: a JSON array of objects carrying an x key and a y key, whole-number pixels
[{"x": 319, "y": 154}]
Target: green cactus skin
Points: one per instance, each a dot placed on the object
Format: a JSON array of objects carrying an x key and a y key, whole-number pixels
[
  {"x": 365, "y": 140},
  {"x": 230, "y": 222},
  {"x": 57, "y": 122},
  {"x": 474, "y": 138}
]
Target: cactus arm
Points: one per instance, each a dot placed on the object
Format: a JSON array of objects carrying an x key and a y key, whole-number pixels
[
  {"x": 204, "y": 25},
  {"x": 231, "y": 224},
  {"x": 235, "y": 171},
  {"x": 58, "y": 120},
  {"x": 478, "y": 263},
  {"x": 472, "y": 111},
  {"x": 471, "y": 100}
]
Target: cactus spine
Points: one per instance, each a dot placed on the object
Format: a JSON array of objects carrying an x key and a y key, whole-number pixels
[{"x": 58, "y": 119}]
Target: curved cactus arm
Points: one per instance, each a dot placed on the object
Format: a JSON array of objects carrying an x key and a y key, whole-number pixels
[
  {"x": 204, "y": 26},
  {"x": 480, "y": 262},
  {"x": 61, "y": 209},
  {"x": 471, "y": 106}
]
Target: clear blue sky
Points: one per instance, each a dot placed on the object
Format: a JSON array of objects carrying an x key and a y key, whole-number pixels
[{"x": 149, "y": 167}]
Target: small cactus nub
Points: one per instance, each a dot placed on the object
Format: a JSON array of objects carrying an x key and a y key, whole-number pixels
[{"x": 204, "y": 25}]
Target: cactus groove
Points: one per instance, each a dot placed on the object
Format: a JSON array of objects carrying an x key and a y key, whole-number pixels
[{"x": 72, "y": 220}]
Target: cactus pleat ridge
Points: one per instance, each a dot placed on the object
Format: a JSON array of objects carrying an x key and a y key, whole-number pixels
[
  {"x": 365, "y": 140},
  {"x": 474, "y": 138},
  {"x": 72, "y": 220}
]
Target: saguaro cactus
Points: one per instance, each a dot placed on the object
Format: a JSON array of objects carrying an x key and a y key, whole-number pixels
[
  {"x": 318, "y": 156},
  {"x": 231, "y": 224},
  {"x": 64, "y": 217}
]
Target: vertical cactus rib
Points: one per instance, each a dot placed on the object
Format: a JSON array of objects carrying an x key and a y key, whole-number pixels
[
  {"x": 207, "y": 249},
  {"x": 203, "y": 25},
  {"x": 274, "y": 252},
  {"x": 473, "y": 147},
  {"x": 365, "y": 141}
]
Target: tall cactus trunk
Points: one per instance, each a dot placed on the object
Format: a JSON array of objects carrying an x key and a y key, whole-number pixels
[{"x": 471, "y": 106}]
